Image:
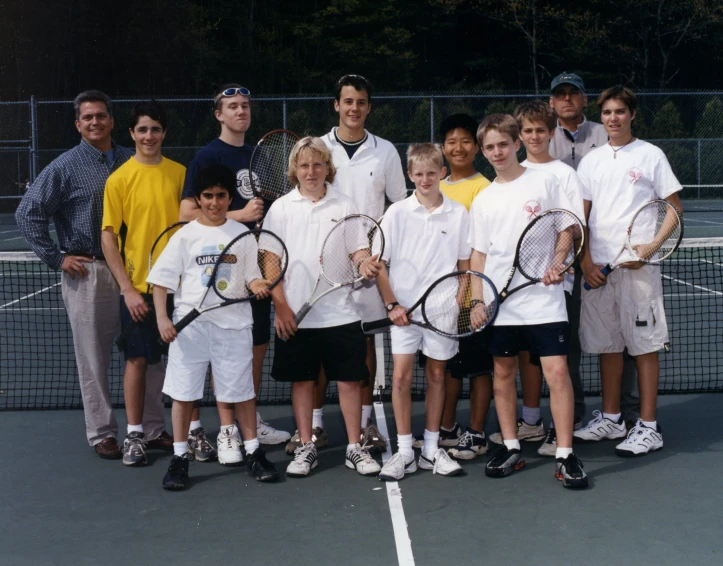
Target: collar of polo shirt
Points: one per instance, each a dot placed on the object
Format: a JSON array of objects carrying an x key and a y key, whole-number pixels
[
  {"x": 415, "y": 205},
  {"x": 330, "y": 194}
]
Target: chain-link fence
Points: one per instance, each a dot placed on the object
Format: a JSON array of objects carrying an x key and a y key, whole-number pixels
[{"x": 688, "y": 126}]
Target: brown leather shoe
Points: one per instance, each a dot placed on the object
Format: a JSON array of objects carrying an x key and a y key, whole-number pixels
[
  {"x": 162, "y": 442},
  {"x": 108, "y": 448}
]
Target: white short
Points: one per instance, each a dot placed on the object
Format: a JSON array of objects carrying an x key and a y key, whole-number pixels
[
  {"x": 368, "y": 301},
  {"x": 625, "y": 312},
  {"x": 409, "y": 339},
  {"x": 230, "y": 353}
]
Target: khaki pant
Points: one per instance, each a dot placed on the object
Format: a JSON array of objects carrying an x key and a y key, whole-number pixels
[{"x": 92, "y": 306}]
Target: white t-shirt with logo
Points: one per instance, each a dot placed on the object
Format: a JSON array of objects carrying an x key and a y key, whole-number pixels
[
  {"x": 186, "y": 264},
  {"x": 498, "y": 217},
  {"x": 618, "y": 184},
  {"x": 303, "y": 226}
]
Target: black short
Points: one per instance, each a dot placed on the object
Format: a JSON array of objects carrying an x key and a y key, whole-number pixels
[
  {"x": 261, "y": 312},
  {"x": 341, "y": 349},
  {"x": 540, "y": 340},
  {"x": 473, "y": 358},
  {"x": 144, "y": 340}
]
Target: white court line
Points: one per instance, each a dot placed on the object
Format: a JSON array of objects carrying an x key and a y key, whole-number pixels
[
  {"x": 10, "y": 231},
  {"x": 679, "y": 295},
  {"x": 394, "y": 495},
  {"x": 28, "y": 296},
  {"x": 689, "y": 220},
  {"x": 691, "y": 285}
]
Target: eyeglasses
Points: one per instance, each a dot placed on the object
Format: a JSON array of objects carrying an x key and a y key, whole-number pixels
[{"x": 233, "y": 91}]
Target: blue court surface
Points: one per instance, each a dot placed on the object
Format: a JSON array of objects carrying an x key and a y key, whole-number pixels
[{"x": 60, "y": 504}]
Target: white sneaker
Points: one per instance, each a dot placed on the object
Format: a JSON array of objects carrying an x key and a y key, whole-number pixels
[
  {"x": 442, "y": 464},
  {"x": 600, "y": 428},
  {"x": 549, "y": 446},
  {"x": 395, "y": 469},
  {"x": 305, "y": 460},
  {"x": 228, "y": 446},
  {"x": 640, "y": 440},
  {"x": 525, "y": 432},
  {"x": 359, "y": 459},
  {"x": 268, "y": 434}
]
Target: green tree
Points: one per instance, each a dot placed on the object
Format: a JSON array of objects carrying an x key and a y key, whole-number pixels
[
  {"x": 667, "y": 122},
  {"x": 710, "y": 124}
]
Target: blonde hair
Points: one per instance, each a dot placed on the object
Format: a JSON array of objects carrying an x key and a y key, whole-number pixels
[
  {"x": 502, "y": 123},
  {"x": 424, "y": 153},
  {"x": 313, "y": 144}
]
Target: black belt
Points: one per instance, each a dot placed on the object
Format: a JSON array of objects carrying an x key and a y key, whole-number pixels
[{"x": 89, "y": 256}]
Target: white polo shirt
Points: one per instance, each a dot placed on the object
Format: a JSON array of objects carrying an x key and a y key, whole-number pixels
[
  {"x": 421, "y": 247},
  {"x": 617, "y": 185},
  {"x": 303, "y": 225},
  {"x": 373, "y": 171},
  {"x": 498, "y": 217}
]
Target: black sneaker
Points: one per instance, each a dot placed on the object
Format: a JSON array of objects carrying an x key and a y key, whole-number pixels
[
  {"x": 449, "y": 438},
  {"x": 259, "y": 468},
  {"x": 134, "y": 449},
  {"x": 504, "y": 462},
  {"x": 569, "y": 471},
  {"x": 176, "y": 477}
]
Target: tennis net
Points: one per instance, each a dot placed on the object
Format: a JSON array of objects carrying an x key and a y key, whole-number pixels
[{"x": 37, "y": 360}]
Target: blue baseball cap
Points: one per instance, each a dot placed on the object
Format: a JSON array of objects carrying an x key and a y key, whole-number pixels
[{"x": 569, "y": 79}]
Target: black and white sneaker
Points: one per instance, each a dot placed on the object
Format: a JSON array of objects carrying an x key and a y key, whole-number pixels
[
  {"x": 449, "y": 438},
  {"x": 134, "y": 449},
  {"x": 640, "y": 440},
  {"x": 259, "y": 468},
  {"x": 176, "y": 477},
  {"x": 504, "y": 462},
  {"x": 600, "y": 428},
  {"x": 570, "y": 472},
  {"x": 549, "y": 445},
  {"x": 200, "y": 446},
  {"x": 305, "y": 460},
  {"x": 470, "y": 445},
  {"x": 359, "y": 459}
]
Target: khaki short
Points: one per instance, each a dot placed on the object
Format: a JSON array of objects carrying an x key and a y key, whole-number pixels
[{"x": 625, "y": 312}]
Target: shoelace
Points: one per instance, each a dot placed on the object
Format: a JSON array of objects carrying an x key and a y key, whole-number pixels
[
  {"x": 465, "y": 440},
  {"x": 440, "y": 459},
  {"x": 366, "y": 457},
  {"x": 573, "y": 466},
  {"x": 136, "y": 445},
  {"x": 226, "y": 439}
]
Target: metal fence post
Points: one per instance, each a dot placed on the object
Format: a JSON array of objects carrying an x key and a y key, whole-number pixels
[
  {"x": 431, "y": 120},
  {"x": 284, "y": 113},
  {"x": 699, "y": 168},
  {"x": 33, "y": 165}
]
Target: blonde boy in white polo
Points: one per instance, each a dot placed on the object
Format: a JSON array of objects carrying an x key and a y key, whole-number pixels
[
  {"x": 330, "y": 335},
  {"x": 426, "y": 237},
  {"x": 624, "y": 309}
]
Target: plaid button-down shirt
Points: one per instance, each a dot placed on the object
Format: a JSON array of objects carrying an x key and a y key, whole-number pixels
[{"x": 70, "y": 191}]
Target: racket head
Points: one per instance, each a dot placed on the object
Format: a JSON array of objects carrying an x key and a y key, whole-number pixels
[
  {"x": 269, "y": 164},
  {"x": 160, "y": 244},
  {"x": 255, "y": 254},
  {"x": 460, "y": 304},
  {"x": 553, "y": 240},
  {"x": 655, "y": 231},
  {"x": 354, "y": 239}
]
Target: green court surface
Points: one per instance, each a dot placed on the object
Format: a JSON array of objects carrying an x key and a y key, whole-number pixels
[{"x": 60, "y": 504}]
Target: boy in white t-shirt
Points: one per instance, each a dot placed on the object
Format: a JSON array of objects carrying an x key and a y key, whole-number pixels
[
  {"x": 533, "y": 318},
  {"x": 331, "y": 334},
  {"x": 220, "y": 337},
  {"x": 425, "y": 239},
  {"x": 625, "y": 308}
]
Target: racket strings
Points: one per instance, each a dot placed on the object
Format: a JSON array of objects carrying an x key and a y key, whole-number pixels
[
  {"x": 655, "y": 231},
  {"x": 353, "y": 241},
  {"x": 460, "y": 304},
  {"x": 269, "y": 165},
  {"x": 551, "y": 243}
]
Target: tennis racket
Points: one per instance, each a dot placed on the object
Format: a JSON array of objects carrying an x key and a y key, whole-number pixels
[
  {"x": 158, "y": 246},
  {"x": 269, "y": 165},
  {"x": 349, "y": 243},
  {"x": 655, "y": 232},
  {"x": 252, "y": 259},
  {"x": 551, "y": 242},
  {"x": 456, "y": 305}
]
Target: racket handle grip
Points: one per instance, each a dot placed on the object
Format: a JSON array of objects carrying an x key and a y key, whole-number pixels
[
  {"x": 186, "y": 320},
  {"x": 605, "y": 271},
  {"x": 301, "y": 315},
  {"x": 376, "y": 324}
]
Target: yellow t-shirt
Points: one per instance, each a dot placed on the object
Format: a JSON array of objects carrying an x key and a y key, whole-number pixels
[
  {"x": 464, "y": 190},
  {"x": 146, "y": 198}
]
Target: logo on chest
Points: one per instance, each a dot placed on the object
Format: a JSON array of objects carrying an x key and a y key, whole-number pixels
[
  {"x": 634, "y": 175},
  {"x": 532, "y": 208}
]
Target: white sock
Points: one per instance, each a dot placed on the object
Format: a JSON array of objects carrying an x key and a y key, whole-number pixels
[
  {"x": 135, "y": 428},
  {"x": 651, "y": 424},
  {"x": 180, "y": 448},
  {"x": 431, "y": 444},
  {"x": 612, "y": 417},
  {"x": 317, "y": 420},
  {"x": 563, "y": 452},
  {"x": 512, "y": 444},
  {"x": 404, "y": 443},
  {"x": 350, "y": 447},
  {"x": 366, "y": 415},
  {"x": 251, "y": 445},
  {"x": 232, "y": 428},
  {"x": 194, "y": 425},
  {"x": 530, "y": 415}
]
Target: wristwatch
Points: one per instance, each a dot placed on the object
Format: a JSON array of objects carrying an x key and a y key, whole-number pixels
[
  {"x": 474, "y": 302},
  {"x": 390, "y": 306}
]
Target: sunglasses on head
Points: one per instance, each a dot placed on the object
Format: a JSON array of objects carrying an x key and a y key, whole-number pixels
[{"x": 233, "y": 91}]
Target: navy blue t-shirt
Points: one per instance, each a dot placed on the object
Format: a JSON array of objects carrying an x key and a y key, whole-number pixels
[{"x": 237, "y": 159}]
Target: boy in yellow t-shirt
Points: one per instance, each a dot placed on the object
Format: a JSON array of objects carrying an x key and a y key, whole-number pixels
[{"x": 144, "y": 194}]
